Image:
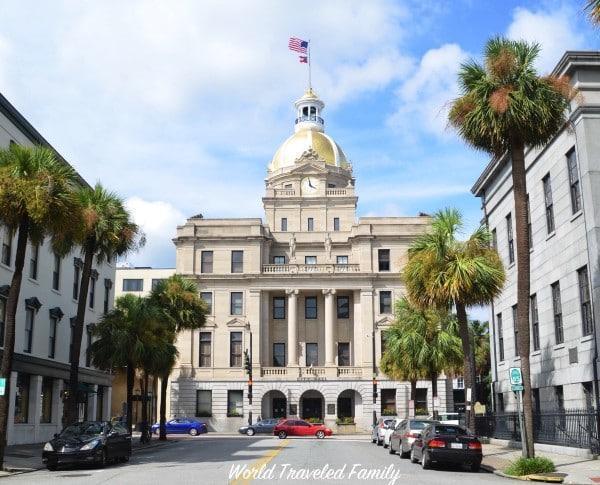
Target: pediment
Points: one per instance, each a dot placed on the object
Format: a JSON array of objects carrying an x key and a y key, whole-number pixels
[
  {"x": 210, "y": 322},
  {"x": 309, "y": 168},
  {"x": 384, "y": 321},
  {"x": 236, "y": 322}
]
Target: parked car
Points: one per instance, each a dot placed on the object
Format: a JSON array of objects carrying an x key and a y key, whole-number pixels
[
  {"x": 190, "y": 426},
  {"x": 298, "y": 427},
  {"x": 264, "y": 426},
  {"x": 447, "y": 443},
  {"x": 448, "y": 418},
  {"x": 388, "y": 430},
  {"x": 405, "y": 434},
  {"x": 94, "y": 442},
  {"x": 379, "y": 428}
]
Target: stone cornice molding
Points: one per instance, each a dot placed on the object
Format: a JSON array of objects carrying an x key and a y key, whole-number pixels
[
  {"x": 329, "y": 291},
  {"x": 291, "y": 292}
]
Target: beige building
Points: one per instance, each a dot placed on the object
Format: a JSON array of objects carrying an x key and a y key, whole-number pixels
[{"x": 307, "y": 293}]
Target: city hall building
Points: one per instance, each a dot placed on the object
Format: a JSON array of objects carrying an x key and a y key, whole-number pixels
[{"x": 307, "y": 292}]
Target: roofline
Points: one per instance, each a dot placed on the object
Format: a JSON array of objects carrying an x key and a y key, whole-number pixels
[{"x": 15, "y": 117}]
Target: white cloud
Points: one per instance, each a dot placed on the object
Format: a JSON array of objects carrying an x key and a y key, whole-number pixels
[{"x": 555, "y": 30}]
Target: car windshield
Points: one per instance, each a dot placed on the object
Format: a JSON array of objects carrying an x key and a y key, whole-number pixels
[
  {"x": 419, "y": 424},
  {"x": 82, "y": 429},
  {"x": 389, "y": 422},
  {"x": 451, "y": 430}
]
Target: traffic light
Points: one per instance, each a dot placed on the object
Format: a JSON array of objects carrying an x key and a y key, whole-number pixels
[{"x": 247, "y": 363}]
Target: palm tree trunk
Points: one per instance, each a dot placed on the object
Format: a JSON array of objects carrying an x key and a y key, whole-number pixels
[
  {"x": 434, "y": 393},
  {"x": 130, "y": 384},
  {"x": 517, "y": 154},
  {"x": 163, "y": 407},
  {"x": 144, "y": 436},
  {"x": 12, "y": 302},
  {"x": 71, "y": 408},
  {"x": 469, "y": 362}
]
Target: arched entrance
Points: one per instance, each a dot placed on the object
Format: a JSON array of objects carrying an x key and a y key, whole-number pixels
[
  {"x": 349, "y": 404},
  {"x": 274, "y": 405},
  {"x": 312, "y": 405}
]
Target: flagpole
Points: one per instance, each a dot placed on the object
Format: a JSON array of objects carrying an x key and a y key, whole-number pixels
[{"x": 309, "y": 77}]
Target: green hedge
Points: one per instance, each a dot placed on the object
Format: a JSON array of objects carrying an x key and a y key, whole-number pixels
[{"x": 529, "y": 466}]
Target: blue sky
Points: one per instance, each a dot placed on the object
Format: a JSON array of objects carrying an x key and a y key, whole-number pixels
[{"x": 179, "y": 106}]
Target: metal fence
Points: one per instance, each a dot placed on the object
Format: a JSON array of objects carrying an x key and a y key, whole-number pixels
[{"x": 576, "y": 428}]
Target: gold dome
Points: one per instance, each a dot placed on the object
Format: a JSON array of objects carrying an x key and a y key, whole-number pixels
[{"x": 299, "y": 142}]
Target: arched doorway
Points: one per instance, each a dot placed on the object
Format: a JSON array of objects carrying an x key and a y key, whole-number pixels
[
  {"x": 312, "y": 405},
  {"x": 349, "y": 404},
  {"x": 274, "y": 405}
]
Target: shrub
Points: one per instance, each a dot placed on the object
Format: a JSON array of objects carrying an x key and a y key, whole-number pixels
[
  {"x": 314, "y": 420},
  {"x": 388, "y": 412},
  {"x": 346, "y": 420},
  {"x": 528, "y": 466}
]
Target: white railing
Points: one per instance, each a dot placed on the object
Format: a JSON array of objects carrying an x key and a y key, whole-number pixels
[
  {"x": 311, "y": 268},
  {"x": 274, "y": 371},
  {"x": 288, "y": 192},
  {"x": 349, "y": 372},
  {"x": 335, "y": 192},
  {"x": 311, "y": 371}
]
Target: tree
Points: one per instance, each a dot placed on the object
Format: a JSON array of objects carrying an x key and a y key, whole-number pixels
[
  {"x": 126, "y": 336},
  {"x": 593, "y": 10},
  {"x": 442, "y": 272},
  {"x": 423, "y": 341},
  {"x": 36, "y": 200},
  {"x": 182, "y": 309},
  {"x": 104, "y": 231},
  {"x": 504, "y": 107}
]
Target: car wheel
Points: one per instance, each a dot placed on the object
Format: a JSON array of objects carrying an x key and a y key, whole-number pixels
[
  {"x": 193, "y": 431},
  {"x": 475, "y": 467},
  {"x": 373, "y": 440},
  {"x": 413, "y": 459},
  {"x": 384, "y": 445},
  {"x": 379, "y": 442},
  {"x": 320, "y": 434},
  {"x": 392, "y": 452},
  {"x": 250, "y": 432},
  {"x": 157, "y": 431},
  {"x": 282, "y": 435},
  {"x": 426, "y": 461},
  {"x": 125, "y": 459},
  {"x": 52, "y": 468},
  {"x": 403, "y": 454}
]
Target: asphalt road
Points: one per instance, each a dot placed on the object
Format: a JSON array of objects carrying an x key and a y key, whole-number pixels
[{"x": 207, "y": 460}]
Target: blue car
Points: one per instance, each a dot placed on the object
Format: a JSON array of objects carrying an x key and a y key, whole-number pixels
[{"x": 190, "y": 426}]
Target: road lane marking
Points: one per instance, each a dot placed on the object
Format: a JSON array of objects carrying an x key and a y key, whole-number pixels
[{"x": 259, "y": 463}]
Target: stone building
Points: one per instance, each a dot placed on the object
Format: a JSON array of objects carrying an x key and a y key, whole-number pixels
[
  {"x": 563, "y": 180},
  {"x": 307, "y": 292},
  {"x": 47, "y": 305}
]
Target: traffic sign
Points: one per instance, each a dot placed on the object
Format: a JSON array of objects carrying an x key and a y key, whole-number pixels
[
  {"x": 515, "y": 376},
  {"x": 516, "y": 388}
]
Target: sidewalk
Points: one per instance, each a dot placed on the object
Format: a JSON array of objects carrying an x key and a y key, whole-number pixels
[{"x": 577, "y": 470}]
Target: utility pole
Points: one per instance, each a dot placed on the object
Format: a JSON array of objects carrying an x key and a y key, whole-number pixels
[
  {"x": 374, "y": 380},
  {"x": 248, "y": 367}
]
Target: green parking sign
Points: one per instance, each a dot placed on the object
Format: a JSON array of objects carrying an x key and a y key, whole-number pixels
[
  {"x": 2, "y": 386},
  {"x": 515, "y": 376}
]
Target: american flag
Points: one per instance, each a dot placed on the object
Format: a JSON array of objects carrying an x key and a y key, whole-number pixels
[{"x": 298, "y": 45}]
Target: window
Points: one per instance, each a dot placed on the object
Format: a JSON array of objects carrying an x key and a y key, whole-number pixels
[
  {"x": 336, "y": 223},
  {"x": 574, "y": 181},
  {"x": 88, "y": 346},
  {"x": 237, "y": 261},
  {"x": 33, "y": 261},
  {"x": 588, "y": 394},
  {"x": 388, "y": 400},
  {"x": 76, "y": 277},
  {"x": 584, "y": 299},
  {"x": 235, "y": 349},
  {"x": 29, "y": 322},
  {"x": 560, "y": 397},
  {"x": 284, "y": 224},
  {"x": 383, "y": 258},
  {"x": 310, "y": 260},
  {"x": 421, "y": 401},
  {"x": 343, "y": 307},
  {"x": 205, "y": 349},
  {"x": 500, "y": 337},
  {"x": 516, "y": 329},
  {"x": 56, "y": 273},
  {"x": 529, "y": 226},
  {"x": 342, "y": 259},
  {"x": 133, "y": 285},
  {"x": 311, "y": 224},
  {"x": 155, "y": 282},
  {"x": 495, "y": 239},
  {"x": 235, "y": 407},
  {"x": 535, "y": 323},
  {"x": 206, "y": 262},
  {"x": 279, "y": 355},
  {"x": 237, "y": 303},
  {"x": 535, "y": 397},
  {"x": 312, "y": 354},
  {"x": 52, "y": 337},
  {"x": 548, "y": 203},
  {"x": 511, "y": 242},
  {"x": 385, "y": 302},
  {"x": 278, "y": 259},
  {"x": 7, "y": 247},
  {"x": 107, "y": 287},
  {"x": 47, "y": 388},
  {"x": 2, "y": 320},
  {"x": 557, "y": 310},
  {"x": 92, "y": 297},
  {"x": 22, "y": 398},
  {"x": 310, "y": 307},
  {"x": 207, "y": 297},
  {"x": 343, "y": 354},
  {"x": 278, "y": 308},
  {"x": 203, "y": 403},
  {"x": 500, "y": 404},
  {"x": 288, "y": 186}
]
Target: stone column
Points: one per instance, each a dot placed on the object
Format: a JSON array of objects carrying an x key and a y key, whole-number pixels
[
  {"x": 107, "y": 405},
  {"x": 92, "y": 402},
  {"x": 35, "y": 405},
  {"x": 329, "y": 327},
  {"x": 292, "y": 327},
  {"x": 57, "y": 403}
]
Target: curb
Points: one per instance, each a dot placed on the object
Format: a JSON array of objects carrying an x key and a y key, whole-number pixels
[{"x": 531, "y": 478}]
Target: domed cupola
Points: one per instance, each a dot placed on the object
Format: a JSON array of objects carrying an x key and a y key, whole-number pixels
[{"x": 309, "y": 109}]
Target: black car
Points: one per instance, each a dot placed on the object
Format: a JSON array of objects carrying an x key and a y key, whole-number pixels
[
  {"x": 447, "y": 443},
  {"x": 94, "y": 442},
  {"x": 264, "y": 426}
]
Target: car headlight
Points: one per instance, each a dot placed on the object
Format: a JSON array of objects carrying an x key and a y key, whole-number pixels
[
  {"x": 48, "y": 447},
  {"x": 90, "y": 446}
]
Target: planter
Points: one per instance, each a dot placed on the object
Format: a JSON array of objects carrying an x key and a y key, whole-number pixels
[{"x": 346, "y": 428}]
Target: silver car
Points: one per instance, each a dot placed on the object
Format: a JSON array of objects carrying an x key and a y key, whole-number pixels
[
  {"x": 378, "y": 430},
  {"x": 405, "y": 434}
]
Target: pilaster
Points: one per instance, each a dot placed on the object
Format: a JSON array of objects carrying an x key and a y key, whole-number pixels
[{"x": 292, "y": 327}]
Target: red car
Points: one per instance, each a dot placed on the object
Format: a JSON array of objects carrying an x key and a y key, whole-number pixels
[{"x": 297, "y": 427}]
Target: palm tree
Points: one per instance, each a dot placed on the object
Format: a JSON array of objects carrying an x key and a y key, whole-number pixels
[
  {"x": 442, "y": 272},
  {"x": 105, "y": 232},
  {"x": 505, "y": 107},
  {"x": 593, "y": 9},
  {"x": 36, "y": 200},
  {"x": 125, "y": 337},
  {"x": 182, "y": 309}
]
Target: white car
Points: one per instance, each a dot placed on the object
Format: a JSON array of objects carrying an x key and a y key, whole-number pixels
[
  {"x": 388, "y": 430},
  {"x": 448, "y": 418},
  {"x": 378, "y": 429}
]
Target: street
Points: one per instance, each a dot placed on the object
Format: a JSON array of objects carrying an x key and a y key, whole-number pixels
[{"x": 210, "y": 460}]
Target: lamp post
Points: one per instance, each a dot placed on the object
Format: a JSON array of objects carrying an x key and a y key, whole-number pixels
[{"x": 248, "y": 367}]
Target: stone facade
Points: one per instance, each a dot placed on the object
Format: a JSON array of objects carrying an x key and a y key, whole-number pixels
[
  {"x": 307, "y": 294},
  {"x": 564, "y": 198}
]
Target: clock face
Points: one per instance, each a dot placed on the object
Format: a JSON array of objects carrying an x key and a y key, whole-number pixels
[{"x": 309, "y": 185}]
